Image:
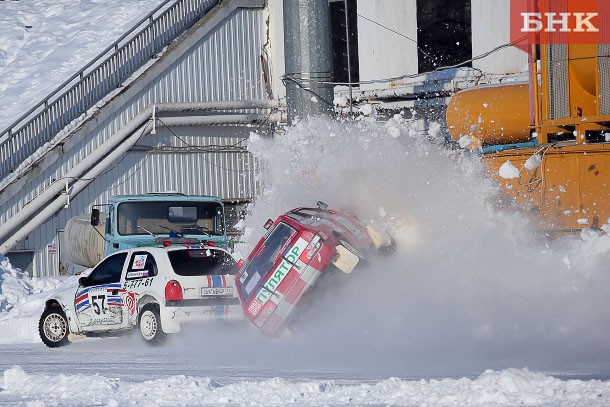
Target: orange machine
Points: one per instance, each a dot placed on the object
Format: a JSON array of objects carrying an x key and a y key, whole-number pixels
[{"x": 552, "y": 159}]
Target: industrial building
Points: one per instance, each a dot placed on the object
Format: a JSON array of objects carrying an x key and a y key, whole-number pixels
[{"x": 170, "y": 105}]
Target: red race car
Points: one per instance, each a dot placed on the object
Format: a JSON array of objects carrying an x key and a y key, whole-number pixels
[{"x": 298, "y": 247}]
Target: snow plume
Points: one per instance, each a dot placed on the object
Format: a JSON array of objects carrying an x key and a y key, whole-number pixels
[{"x": 470, "y": 287}]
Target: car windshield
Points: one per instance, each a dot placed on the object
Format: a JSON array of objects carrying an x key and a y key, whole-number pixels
[
  {"x": 162, "y": 217},
  {"x": 202, "y": 262},
  {"x": 265, "y": 258}
]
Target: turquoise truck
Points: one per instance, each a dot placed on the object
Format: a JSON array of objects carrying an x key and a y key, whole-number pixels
[{"x": 142, "y": 220}]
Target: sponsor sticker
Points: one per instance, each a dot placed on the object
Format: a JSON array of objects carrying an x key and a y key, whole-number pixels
[
  {"x": 255, "y": 307},
  {"x": 139, "y": 262},
  {"x": 130, "y": 302},
  {"x": 137, "y": 274},
  {"x": 278, "y": 275}
]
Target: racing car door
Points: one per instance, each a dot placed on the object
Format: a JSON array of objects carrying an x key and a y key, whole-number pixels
[
  {"x": 99, "y": 301},
  {"x": 139, "y": 277}
]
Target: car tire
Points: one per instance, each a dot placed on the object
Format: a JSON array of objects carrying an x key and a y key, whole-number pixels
[
  {"x": 149, "y": 323},
  {"x": 53, "y": 327}
]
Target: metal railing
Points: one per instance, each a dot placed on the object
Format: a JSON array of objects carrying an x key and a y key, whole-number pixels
[{"x": 97, "y": 79}]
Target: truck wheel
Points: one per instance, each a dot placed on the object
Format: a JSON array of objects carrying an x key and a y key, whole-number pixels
[
  {"x": 53, "y": 327},
  {"x": 149, "y": 322}
]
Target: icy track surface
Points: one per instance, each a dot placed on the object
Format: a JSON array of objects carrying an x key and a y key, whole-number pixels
[{"x": 116, "y": 372}]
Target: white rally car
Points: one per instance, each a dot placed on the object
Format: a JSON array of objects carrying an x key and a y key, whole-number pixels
[{"x": 154, "y": 288}]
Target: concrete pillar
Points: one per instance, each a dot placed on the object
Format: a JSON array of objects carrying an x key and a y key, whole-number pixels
[{"x": 307, "y": 47}]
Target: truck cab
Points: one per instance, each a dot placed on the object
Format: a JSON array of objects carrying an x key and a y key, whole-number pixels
[
  {"x": 129, "y": 221},
  {"x": 141, "y": 220}
]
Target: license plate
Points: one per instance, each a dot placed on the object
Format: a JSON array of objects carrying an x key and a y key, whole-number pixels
[{"x": 217, "y": 291}]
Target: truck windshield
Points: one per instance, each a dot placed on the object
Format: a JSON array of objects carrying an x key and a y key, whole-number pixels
[
  {"x": 265, "y": 258},
  {"x": 163, "y": 217}
]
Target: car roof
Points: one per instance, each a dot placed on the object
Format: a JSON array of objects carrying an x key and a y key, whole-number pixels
[{"x": 174, "y": 247}]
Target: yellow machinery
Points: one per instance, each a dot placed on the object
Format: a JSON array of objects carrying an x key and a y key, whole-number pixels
[{"x": 555, "y": 131}]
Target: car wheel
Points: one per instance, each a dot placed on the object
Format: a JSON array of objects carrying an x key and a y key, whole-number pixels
[
  {"x": 149, "y": 323},
  {"x": 53, "y": 327}
]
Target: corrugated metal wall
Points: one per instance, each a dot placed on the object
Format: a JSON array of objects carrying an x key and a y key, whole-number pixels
[
  {"x": 223, "y": 66},
  {"x": 559, "y": 106},
  {"x": 604, "y": 62},
  {"x": 604, "y": 77}
]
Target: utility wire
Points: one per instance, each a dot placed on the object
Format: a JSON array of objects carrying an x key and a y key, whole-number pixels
[
  {"x": 302, "y": 82},
  {"x": 439, "y": 69},
  {"x": 226, "y": 147},
  {"x": 396, "y": 32}
]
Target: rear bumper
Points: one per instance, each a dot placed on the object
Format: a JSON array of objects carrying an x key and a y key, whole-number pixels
[
  {"x": 172, "y": 316},
  {"x": 202, "y": 302}
]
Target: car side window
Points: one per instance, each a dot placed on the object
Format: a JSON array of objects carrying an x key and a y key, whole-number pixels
[
  {"x": 108, "y": 271},
  {"x": 142, "y": 264}
]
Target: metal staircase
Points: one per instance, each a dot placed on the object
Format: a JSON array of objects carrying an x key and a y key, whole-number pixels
[{"x": 97, "y": 79}]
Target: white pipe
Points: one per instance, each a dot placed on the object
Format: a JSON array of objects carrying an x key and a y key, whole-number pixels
[
  {"x": 34, "y": 206},
  {"x": 58, "y": 203},
  {"x": 219, "y": 119},
  {"x": 219, "y": 105}
]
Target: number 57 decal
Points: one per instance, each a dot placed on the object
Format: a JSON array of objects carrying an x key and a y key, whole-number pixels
[{"x": 99, "y": 307}]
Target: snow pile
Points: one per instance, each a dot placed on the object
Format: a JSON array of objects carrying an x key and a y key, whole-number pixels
[
  {"x": 506, "y": 388},
  {"x": 21, "y": 303},
  {"x": 15, "y": 285}
]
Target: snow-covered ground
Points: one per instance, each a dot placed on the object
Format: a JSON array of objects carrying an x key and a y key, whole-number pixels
[{"x": 470, "y": 288}]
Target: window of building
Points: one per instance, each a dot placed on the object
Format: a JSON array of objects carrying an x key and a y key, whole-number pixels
[
  {"x": 341, "y": 67},
  {"x": 444, "y": 33}
]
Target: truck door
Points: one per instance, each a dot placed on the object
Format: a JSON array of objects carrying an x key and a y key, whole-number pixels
[{"x": 99, "y": 299}]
